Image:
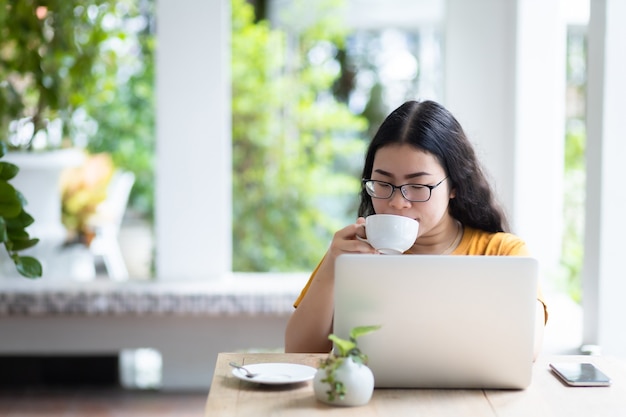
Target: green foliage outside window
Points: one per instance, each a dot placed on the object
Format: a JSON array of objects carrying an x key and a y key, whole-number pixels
[
  {"x": 88, "y": 67},
  {"x": 124, "y": 103},
  {"x": 574, "y": 176},
  {"x": 574, "y": 209},
  {"x": 294, "y": 144},
  {"x": 47, "y": 52}
]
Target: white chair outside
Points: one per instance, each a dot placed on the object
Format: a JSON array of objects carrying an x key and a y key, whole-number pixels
[{"x": 107, "y": 222}]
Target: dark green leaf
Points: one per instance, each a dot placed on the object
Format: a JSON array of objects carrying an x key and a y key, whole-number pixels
[
  {"x": 21, "y": 244},
  {"x": 8, "y": 170},
  {"x": 18, "y": 234},
  {"x": 28, "y": 267},
  {"x": 3, "y": 230},
  {"x": 22, "y": 221},
  {"x": 10, "y": 204}
]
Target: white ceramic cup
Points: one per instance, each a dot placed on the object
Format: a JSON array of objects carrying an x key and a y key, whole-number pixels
[{"x": 390, "y": 234}]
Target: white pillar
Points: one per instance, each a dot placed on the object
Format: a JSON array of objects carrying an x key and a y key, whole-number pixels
[
  {"x": 539, "y": 150},
  {"x": 505, "y": 82},
  {"x": 604, "y": 283},
  {"x": 193, "y": 171}
]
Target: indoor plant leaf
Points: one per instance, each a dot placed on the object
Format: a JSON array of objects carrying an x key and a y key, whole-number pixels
[
  {"x": 28, "y": 266},
  {"x": 3, "y": 230},
  {"x": 21, "y": 244},
  {"x": 8, "y": 170},
  {"x": 13, "y": 222},
  {"x": 21, "y": 221},
  {"x": 362, "y": 330},
  {"x": 344, "y": 346},
  {"x": 10, "y": 204}
]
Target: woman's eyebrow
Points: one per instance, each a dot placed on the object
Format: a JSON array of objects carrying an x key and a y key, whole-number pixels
[
  {"x": 383, "y": 173},
  {"x": 408, "y": 177},
  {"x": 416, "y": 175}
]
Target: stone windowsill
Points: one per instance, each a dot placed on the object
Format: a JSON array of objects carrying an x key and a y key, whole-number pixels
[{"x": 252, "y": 294}]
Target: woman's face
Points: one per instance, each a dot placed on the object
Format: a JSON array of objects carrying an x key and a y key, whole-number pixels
[{"x": 404, "y": 164}]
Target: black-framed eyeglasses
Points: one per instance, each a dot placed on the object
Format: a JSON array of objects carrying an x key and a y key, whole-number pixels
[{"x": 415, "y": 193}]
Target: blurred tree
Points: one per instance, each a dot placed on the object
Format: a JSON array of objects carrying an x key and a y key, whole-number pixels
[
  {"x": 47, "y": 53},
  {"x": 123, "y": 105},
  {"x": 294, "y": 144},
  {"x": 81, "y": 73}
]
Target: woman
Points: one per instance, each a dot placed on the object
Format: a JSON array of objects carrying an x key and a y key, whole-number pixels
[{"x": 420, "y": 165}]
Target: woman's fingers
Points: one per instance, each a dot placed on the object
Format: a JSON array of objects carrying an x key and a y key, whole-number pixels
[{"x": 345, "y": 240}]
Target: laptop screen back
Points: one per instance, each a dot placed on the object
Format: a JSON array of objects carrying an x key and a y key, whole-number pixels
[{"x": 447, "y": 321}]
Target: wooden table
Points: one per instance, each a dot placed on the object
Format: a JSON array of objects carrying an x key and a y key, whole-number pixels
[{"x": 546, "y": 396}]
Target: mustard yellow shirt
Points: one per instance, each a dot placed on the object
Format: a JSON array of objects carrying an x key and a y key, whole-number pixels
[{"x": 475, "y": 242}]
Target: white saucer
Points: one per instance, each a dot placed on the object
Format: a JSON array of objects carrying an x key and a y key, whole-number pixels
[{"x": 276, "y": 373}]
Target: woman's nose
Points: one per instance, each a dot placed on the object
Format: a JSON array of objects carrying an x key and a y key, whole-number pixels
[{"x": 398, "y": 201}]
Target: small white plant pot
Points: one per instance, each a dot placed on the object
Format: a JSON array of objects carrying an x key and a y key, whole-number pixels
[{"x": 357, "y": 379}]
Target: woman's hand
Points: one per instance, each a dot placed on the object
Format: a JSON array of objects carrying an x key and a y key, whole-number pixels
[{"x": 345, "y": 241}]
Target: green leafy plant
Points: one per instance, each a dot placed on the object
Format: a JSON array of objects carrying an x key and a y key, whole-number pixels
[
  {"x": 14, "y": 221},
  {"x": 344, "y": 349}
]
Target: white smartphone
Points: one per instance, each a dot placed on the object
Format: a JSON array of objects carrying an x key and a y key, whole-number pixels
[{"x": 580, "y": 374}]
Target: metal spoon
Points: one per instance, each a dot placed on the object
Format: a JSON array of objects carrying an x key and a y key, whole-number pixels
[{"x": 248, "y": 373}]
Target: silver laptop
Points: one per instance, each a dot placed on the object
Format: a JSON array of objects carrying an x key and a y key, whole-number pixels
[{"x": 447, "y": 321}]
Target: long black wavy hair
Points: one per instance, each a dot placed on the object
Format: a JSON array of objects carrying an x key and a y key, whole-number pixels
[{"x": 430, "y": 127}]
